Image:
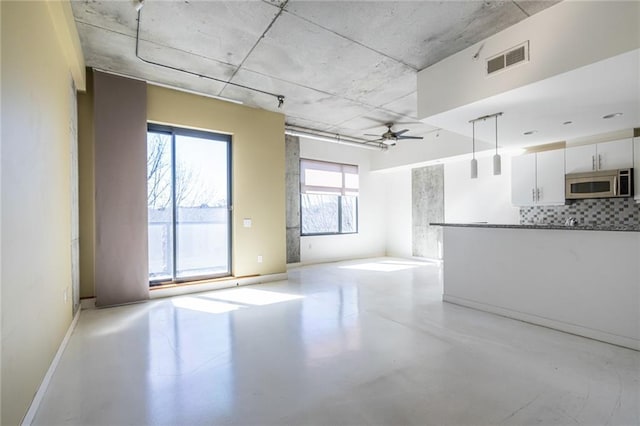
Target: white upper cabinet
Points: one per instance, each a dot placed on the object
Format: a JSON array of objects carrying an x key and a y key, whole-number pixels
[
  {"x": 523, "y": 180},
  {"x": 550, "y": 177},
  {"x": 538, "y": 179},
  {"x": 615, "y": 154},
  {"x": 580, "y": 159},
  {"x": 603, "y": 156}
]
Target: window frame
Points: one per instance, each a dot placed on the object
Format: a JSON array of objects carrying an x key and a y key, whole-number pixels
[
  {"x": 174, "y": 131},
  {"x": 339, "y": 196}
]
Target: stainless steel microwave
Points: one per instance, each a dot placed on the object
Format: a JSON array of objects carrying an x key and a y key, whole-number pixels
[{"x": 602, "y": 184}]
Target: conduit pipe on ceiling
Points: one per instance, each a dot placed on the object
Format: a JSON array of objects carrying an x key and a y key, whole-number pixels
[
  {"x": 334, "y": 138},
  {"x": 138, "y": 7}
]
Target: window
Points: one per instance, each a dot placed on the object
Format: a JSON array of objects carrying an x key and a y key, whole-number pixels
[
  {"x": 188, "y": 197},
  {"x": 328, "y": 198}
]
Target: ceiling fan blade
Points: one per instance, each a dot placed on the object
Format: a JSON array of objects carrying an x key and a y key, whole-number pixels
[
  {"x": 386, "y": 123},
  {"x": 409, "y": 137},
  {"x": 376, "y": 140},
  {"x": 399, "y": 132}
]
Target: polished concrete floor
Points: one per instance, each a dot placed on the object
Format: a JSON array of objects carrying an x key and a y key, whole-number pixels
[{"x": 361, "y": 342}]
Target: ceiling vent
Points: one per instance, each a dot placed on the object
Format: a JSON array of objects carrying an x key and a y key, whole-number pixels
[{"x": 508, "y": 58}]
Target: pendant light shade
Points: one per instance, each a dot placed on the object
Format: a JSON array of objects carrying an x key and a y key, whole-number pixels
[
  {"x": 474, "y": 162},
  {"x": 497, "y": 165},
  {"x": 497, "y": 162},
  {"x": 474, "y": 168}
]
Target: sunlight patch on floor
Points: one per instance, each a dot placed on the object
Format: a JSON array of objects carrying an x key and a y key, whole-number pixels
[
  {"x": 386, "y": 266},
  {"x": 204, "y": 305},
  {"x": 251, "y": 296}
]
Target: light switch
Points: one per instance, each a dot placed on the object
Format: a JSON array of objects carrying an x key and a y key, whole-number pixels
[{"x": 246, "y": 223}]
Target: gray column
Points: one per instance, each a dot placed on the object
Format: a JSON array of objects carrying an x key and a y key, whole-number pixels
[
  {"x": 292, "y": 149},
  {"x": 121, "y": 260},
  {"x": 427, "y": 191}
]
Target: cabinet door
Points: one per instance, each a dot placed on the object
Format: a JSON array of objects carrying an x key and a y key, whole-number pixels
[
  {"x": 523, "y": 180},
  {"x": 580, "y": 159},
  {"x": 636, "y": 166},
  {"x": 615, "y": 154},
  {"x": 550, "y": 177}
]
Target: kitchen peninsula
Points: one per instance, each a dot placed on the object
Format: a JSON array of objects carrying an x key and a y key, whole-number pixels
[{"x": 583, "y": 280}]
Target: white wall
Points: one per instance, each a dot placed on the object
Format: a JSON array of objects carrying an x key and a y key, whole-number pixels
[
  {"x": 370, "y": 239},
  {"x": 398, "y": 212},
  {"x": 485, "y": 199}
]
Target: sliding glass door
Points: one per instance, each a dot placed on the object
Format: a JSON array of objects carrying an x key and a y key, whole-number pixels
[{"x": 188, "y": 188}]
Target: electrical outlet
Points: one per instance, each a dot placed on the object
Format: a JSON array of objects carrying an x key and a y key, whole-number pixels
[{"x": 259, "y": 259}]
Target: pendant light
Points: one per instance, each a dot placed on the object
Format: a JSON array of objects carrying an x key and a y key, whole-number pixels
[
  {"x": 497, "y": 163},
  {"x": 474, "y": 162}
]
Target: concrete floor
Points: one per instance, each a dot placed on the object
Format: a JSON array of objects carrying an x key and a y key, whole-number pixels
[{"x": 366, "y": 342}]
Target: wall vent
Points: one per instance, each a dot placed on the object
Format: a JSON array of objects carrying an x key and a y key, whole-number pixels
[{"x": 510, "y": 57}]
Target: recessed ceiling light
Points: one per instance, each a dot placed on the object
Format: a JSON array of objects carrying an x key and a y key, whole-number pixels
[
  {"x": 530, "y": 132},
  {"x": 567, "y": 122},
  {"x": 615, "y": 114}
]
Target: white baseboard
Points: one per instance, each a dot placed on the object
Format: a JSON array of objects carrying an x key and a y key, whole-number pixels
[
  {"x": 602, "y": 336},
  {"x": 37, "y": 399},
  {"x": 157, "y": 293}
]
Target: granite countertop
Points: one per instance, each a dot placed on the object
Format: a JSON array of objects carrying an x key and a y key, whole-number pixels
[{"x": 621, "y": 228}]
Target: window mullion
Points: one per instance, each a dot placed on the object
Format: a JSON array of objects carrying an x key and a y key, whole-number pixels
[
  {"x": 174, "y": 248},
  {"x": 339, "y": 214}
]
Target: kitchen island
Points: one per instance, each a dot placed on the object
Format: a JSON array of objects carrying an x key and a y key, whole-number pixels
[{"x": 582, "y": 280}]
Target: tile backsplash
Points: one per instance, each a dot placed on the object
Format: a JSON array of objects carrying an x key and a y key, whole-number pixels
[{"x": 601, "y": 211}]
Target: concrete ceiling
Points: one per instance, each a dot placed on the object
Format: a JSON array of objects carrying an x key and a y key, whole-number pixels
[{"x": 345, "y": 67}]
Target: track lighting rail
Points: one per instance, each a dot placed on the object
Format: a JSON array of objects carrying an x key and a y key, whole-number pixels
[{"x": 484, "y": 117}]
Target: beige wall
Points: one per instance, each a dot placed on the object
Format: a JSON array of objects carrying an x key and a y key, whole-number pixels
[
  {"x": 258, "y": 175},
  {"x": 258, "y": 171},
  {"x": 36, "y": 198}
]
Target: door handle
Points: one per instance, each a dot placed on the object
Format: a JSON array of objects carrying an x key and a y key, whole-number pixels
[
  {"x": 533, "y": 194},
  {"x": 599, "y": 162},
  {"x": 593, "y": 162},
  {"x": 538, "y": 194}
]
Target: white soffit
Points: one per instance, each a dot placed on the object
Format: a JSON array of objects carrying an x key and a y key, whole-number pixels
[{"x": 582, "y": 96}]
